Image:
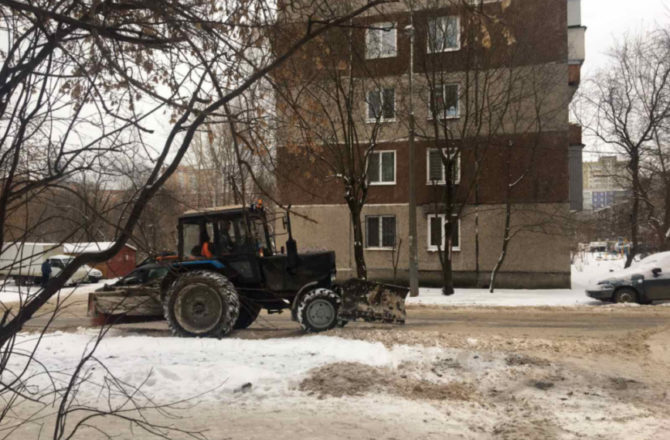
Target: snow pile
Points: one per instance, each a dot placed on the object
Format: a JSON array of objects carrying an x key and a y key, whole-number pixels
[
  {"x": 174, "y": 369},
  {"x": 592, "y": 268}
]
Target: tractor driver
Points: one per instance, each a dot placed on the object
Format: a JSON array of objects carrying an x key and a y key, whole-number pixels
[{"x": 206, "y": 246}]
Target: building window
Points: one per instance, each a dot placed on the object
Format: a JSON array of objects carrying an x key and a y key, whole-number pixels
[
  {"x": 380, "y": 41},
  {"x": 381, "y": 168},
  {"x": 436, "y": 168},
  {"x": 381, "y": 105},
  {"x": 436, "y": 233},
  {"x": 380, "y": 232},
  {"x": 444, "y": 34},
  {"x": 444, "y": 100}
]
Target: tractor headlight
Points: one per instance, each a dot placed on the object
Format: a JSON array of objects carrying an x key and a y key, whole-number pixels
[{"x": 333, "y": 277}]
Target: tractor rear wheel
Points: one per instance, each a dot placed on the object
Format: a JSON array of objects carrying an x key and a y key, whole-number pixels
[
  {"x": 317, "y": 310},
  {"x": 248, "y": 314},
  {"x": 201, "y": 303}
]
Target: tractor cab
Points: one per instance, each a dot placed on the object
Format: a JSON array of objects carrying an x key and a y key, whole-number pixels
[
  {"x": 230, "y": 239},
  {"x": 236, "y": 242},
  {"x": 223, "y": 231}
]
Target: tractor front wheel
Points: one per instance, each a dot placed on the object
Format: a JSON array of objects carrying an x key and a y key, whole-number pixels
[
  {"x": 202, "y": 304},
  {"x": 317, "y": 310}
]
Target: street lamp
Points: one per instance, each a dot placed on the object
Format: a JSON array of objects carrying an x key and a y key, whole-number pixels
[{"x": 413, "y": 254}]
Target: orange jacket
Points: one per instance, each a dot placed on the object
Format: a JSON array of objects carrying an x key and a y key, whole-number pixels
[{"x": 205, "y": 252}]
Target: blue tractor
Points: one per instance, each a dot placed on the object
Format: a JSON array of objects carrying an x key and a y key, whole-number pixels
[{"x": 227, "y": 269}]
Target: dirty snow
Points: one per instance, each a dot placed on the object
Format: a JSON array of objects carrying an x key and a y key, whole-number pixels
[
  {"x": 177, "y": 368},
  {"x": 460, "y": 391}
]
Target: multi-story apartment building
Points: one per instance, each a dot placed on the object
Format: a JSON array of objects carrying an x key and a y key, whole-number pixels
[
  {"x": 605, "y": 182},
  {"x": 525, "y": 54}
]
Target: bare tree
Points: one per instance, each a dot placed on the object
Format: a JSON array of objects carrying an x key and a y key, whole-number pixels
[
  {"x": 465, "y": 118},
  {"x": 627, "y": 106},
  {"x": 332, "y": 131},
  {"x": 83, "y": 86},
  {"x": 499, "y": 93}
]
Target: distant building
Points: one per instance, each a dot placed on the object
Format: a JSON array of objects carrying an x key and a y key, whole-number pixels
[{"x": 604, "y": 183}]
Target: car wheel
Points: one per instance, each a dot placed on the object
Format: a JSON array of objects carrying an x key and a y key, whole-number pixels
[{"x": 625, "y": 295}]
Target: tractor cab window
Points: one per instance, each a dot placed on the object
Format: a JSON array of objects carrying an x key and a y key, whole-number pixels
[
  {"x": 191, "y": 234},
  {"x": 226, "y": 237},
  {"x": 258, "y": 236}
]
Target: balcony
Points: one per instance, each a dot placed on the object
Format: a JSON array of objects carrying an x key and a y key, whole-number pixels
[
  {"x": 576, "y": 33},
  {"x": 576, "y": 44},
  {"x": 574, "y": 13}
]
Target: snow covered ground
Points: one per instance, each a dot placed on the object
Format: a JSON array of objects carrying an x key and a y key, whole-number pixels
[
  {"x": 179, "y": 368},
  {"x": 587, "y": 271},
  {"x": 362, "y": 387},
  {"x": 10, "y": 292}
]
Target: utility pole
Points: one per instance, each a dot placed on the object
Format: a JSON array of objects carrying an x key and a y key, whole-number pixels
[{"x": 413, "y": 254}]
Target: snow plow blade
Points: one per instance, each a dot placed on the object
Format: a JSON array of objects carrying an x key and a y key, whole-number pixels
[
  {"x": 142, "y": 301},
  {"x": 372, "y": 301}
]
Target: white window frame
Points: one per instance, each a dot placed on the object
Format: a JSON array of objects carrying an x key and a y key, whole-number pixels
[
  {"x": 395, "y": 168},
  {"x": 443, "y": 180},
  {"x": 381, "y": 232},
  {"x": 378, "y": 52},
  {"x": 448, "y": 49},
  {"x": 432, "y": 248},
  {"x": 381, "y": 98},
  {"x": 458, "y": 102}
]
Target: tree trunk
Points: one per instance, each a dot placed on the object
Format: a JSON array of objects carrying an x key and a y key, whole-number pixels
[
  {"x": 635, "y": 211},
  {"x": 503, "y": 252},
  {"x": 447, "y": 275},
  {"x": 359, "y": 256},
  {"x": 447, "y": 267}
]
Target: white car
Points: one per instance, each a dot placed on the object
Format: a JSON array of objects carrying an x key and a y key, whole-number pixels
[{"x": 85, "y": 274}]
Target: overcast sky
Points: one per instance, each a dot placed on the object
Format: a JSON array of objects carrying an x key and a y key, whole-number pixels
[{"x": 608, "y": 20}]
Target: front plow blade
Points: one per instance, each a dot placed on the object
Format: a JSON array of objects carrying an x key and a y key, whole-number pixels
[
  {"x": 373, "y": 302},
  {"x": 127, "y": 301}
]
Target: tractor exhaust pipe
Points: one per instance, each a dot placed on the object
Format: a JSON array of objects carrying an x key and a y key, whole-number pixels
[{"x": 291, "y": 245}]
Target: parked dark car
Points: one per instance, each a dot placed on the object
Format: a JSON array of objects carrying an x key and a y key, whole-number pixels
[
  {"x": 646, "y": 281},
  {"x": 145, "y": 274}
]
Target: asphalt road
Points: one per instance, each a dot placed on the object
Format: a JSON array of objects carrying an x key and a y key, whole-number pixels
[{"x": 591, "y": 321}]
